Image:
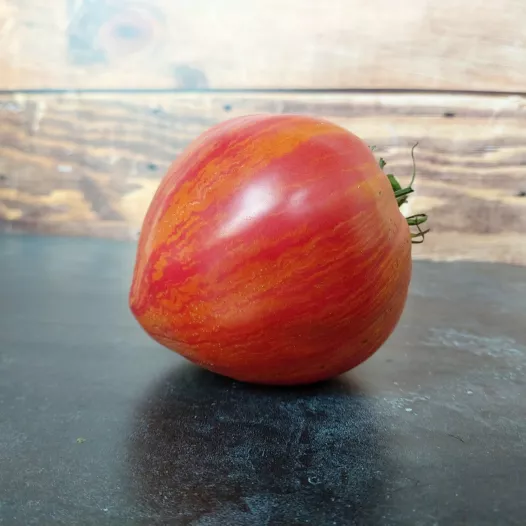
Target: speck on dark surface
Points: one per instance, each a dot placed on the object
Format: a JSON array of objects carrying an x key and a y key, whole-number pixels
[{"x": 163, "y": 442}]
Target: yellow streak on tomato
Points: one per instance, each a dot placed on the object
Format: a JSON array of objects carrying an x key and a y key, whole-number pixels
[
  {"x": 189, "y": 196},
  {"x": 242, "y": 157}
]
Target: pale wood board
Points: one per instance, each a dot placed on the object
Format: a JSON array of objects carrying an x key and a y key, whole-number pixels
[
  {"x": 89, "y": 164},
  {"x": 284, "y": 44}
]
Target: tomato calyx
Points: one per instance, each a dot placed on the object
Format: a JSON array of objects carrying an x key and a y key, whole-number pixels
[{"x": 401, "y": 195}]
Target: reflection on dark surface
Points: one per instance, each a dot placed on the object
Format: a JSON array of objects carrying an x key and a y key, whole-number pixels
[{"x": 210, "y": 451}]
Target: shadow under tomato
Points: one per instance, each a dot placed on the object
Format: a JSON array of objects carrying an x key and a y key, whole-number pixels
[{"x": 207, "y": 450}]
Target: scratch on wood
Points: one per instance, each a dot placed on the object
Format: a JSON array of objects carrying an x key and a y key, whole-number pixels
[
  {"x": 98, "y": 200},
  {"x": 34, "y": 110}
]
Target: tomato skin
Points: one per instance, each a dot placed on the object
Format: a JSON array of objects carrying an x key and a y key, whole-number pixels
[{"x": 273, "y": 252}]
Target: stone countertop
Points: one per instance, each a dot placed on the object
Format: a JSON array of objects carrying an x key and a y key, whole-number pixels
[{"x": 100, "y": 425}]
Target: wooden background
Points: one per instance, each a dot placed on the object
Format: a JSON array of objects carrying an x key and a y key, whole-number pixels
[{"x": 97, "y": 97}]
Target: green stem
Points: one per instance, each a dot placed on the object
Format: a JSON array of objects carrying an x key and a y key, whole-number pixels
[{"x": 401, "y": 194}]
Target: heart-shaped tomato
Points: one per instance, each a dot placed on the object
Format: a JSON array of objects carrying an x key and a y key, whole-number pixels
[{"x": 273, "y": 252}]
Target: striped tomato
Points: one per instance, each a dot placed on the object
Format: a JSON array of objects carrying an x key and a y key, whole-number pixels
[{"x": 274, "y": 252}]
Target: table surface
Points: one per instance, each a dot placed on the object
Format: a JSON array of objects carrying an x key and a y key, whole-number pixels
[{"x": 100, "y": 425}]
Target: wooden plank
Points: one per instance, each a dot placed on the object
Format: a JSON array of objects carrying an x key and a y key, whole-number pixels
[
  {"x": 89, "y": 164},
  {"x": 117, "y": 44}
]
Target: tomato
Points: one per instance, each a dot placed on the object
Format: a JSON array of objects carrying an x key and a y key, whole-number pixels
[{"x": 273, "y": 252}]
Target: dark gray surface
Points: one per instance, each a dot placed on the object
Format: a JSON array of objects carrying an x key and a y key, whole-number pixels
[{"x": 431, "y": 430}]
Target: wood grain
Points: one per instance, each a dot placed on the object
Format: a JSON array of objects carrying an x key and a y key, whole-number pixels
[
  {"x": 89, "y": 164},
  {"x": 125, "y": 44}
]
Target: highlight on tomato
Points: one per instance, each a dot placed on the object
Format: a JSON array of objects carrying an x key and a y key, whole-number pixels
[{"x": 274, "y": 251}]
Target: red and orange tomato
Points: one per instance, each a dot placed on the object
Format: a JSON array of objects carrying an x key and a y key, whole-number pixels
[{"x": 273, "y": 252}]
